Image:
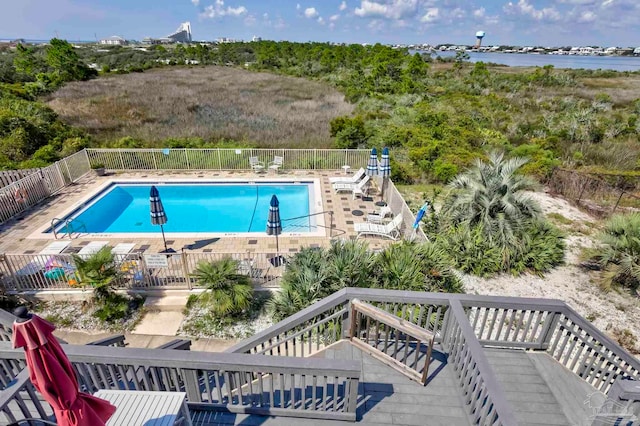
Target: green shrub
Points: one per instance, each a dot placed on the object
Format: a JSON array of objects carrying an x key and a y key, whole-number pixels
[
  {"x": 471, "y": 251},
  {"x": 443, "y": 171},
  {"x": 618, "y": 255}
]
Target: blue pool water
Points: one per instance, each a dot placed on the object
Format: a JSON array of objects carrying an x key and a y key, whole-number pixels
[{"x": 212, "y": 207}]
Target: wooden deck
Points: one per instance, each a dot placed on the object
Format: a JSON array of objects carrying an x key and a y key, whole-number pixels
[
  {"x": 540, "y": 390},
  {"x": 387, "y": 397}
]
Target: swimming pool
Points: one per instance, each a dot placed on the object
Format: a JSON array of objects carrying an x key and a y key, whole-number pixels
[{"x": 193, "y": 208}]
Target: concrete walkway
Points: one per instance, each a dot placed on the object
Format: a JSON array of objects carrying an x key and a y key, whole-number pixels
[
  {"x": 158, "y": 326},
  {"x": 163, "y": 315},
  {"x": 145, "y": 340}
]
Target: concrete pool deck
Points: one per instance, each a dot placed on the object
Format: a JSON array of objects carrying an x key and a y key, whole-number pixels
[{"x": 16, "y": 235}]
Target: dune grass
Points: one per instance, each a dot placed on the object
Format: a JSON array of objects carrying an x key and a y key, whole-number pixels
[{"x": 212, "y": 103}]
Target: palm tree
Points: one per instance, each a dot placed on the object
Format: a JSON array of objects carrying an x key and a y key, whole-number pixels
[
  {"x": 98, "y": 271},
  {"x": 304, "y": 282},
  {"x": 491, "y": 195},
  {"x": 228, "y": 291},
  {"x": 349, "y": 264},
  {"x": 398, "y": 268},
  {"x": 619, "y": 255}
]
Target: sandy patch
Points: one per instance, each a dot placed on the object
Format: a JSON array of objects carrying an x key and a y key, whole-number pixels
[{"x": 570, "y": 283}]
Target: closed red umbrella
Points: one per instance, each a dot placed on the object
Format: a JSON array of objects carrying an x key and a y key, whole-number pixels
[{"x": 53, "y": 376}]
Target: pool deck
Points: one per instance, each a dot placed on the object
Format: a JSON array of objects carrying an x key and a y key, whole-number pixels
[{"x": 16, "y": 235}]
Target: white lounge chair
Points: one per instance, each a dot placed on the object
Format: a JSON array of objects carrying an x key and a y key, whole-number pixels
[
  {"x": 92, "y": 248},
  {"x": 349, "y": 179},
  {"x": 351, "y": 187},
  {"x": 390, "y": 230},
  {"x": 276, "y": 163},
  {"x": 256, "y": 165},
  {"x": 380, "y": 215}
]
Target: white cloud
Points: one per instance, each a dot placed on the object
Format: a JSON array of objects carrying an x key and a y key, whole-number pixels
[
  {"x": 334, "y": 18},
  {"x": 298, "y": 7},
  {"x": 311, "y": 12},
  {"x": 218, "y": 10},
  {"x": 343, "y": 6},
  {"x": 579, "y": 2},
  {"x": 479, "y": 13},
  {"x": 195, "y": 2},
  {"x": 320, "y": 20},
  {"x": 457, "y": 13},
  {"x": 432, "y": 15},
  {"x": 280, "y": 24},
  {"x": 587, "y": 16},
  {"x": 523, "y": 8},
  {"x": 387, "y": 9}
]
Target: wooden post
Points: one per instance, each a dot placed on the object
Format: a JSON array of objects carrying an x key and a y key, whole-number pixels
[
  {"x": 185, "y": 270},
  {"x": 191, "y": 385},
  {"x": 618, "y": 202},
  {"x": 548, "y": 330},
  {"x": 354, "y": 320}
]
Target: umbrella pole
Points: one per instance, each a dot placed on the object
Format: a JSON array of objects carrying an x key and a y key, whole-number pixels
[
  {"x": 384, "y": 181},
  {"x": 277, "y": 246},
  {"x": 163, "y": 238}
]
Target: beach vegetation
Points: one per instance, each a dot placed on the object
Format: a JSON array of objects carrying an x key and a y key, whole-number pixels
[
  {"x": 618, "y": 254},
  {"x": 227, "y": 292}
]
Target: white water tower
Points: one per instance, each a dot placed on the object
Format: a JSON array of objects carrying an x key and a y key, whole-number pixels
[{"x": 479, "y": 37}]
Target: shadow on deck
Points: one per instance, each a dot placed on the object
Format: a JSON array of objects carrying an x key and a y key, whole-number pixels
[{"x": 385, "y": 397}]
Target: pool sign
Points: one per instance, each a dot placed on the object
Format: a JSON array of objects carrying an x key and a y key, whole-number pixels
[{"x": 156, "y": 260}]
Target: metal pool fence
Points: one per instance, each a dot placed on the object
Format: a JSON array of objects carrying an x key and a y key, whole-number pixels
[
  {"x": 24, "y": 193},
  {"x": 226, "y": 158},
  {"x": 40, "y": 184},
  {"x": 138, "y": 271}
]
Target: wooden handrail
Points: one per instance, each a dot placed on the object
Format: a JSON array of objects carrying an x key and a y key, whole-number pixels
[
  {"x": 393, "y": 321},
  {"x": 394, "y": 326}
]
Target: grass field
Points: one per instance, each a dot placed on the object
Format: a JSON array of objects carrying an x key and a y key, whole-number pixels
[{"x": 208, "y": 102}]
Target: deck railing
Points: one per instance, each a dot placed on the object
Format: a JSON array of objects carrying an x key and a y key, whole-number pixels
[
  {"x": 20, "y": 401},
  {"x": 461, "y": 323},
  {"x": 481, "y": 390},
  {"x": 292, "y": 387},
  {"x": 226, "y": 158},
  {"x": 303, "y": 333},
  {"x": 394, "y": 341},
  {"x": 555, "y": 327}
]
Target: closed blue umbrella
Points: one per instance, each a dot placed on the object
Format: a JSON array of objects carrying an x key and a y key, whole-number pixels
[
  {"x": 372, "y": 165},
  {"x": 385, "y": 169},
  {"x": 420, "y": 215},
  {"x": 274, "y": 224},
  {"x": 158, "y": 215}
]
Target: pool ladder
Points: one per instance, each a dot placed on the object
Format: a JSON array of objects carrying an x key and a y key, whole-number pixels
[{"x": 67, "y": 226}]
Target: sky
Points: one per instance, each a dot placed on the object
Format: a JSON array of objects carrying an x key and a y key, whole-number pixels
[{"x": 515, "y": 22}]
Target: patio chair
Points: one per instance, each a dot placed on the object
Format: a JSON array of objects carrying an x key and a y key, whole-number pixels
[
  {"x": 349, "y": 179},
  {"x": 356, "y": 189},
  {"x": 391, "y": 230},
  {"x": 256, "y": 165},
  {"x": 276, "y": 163},
  {"x": 380, "y": 215}
]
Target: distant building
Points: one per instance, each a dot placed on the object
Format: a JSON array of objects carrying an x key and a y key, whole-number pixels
[
  {"x": 256, "y": 38},
  {"x": 636, "y": 51},
  {"x": 114, "y": 41},
  {"x": 182, "y": 34}
]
